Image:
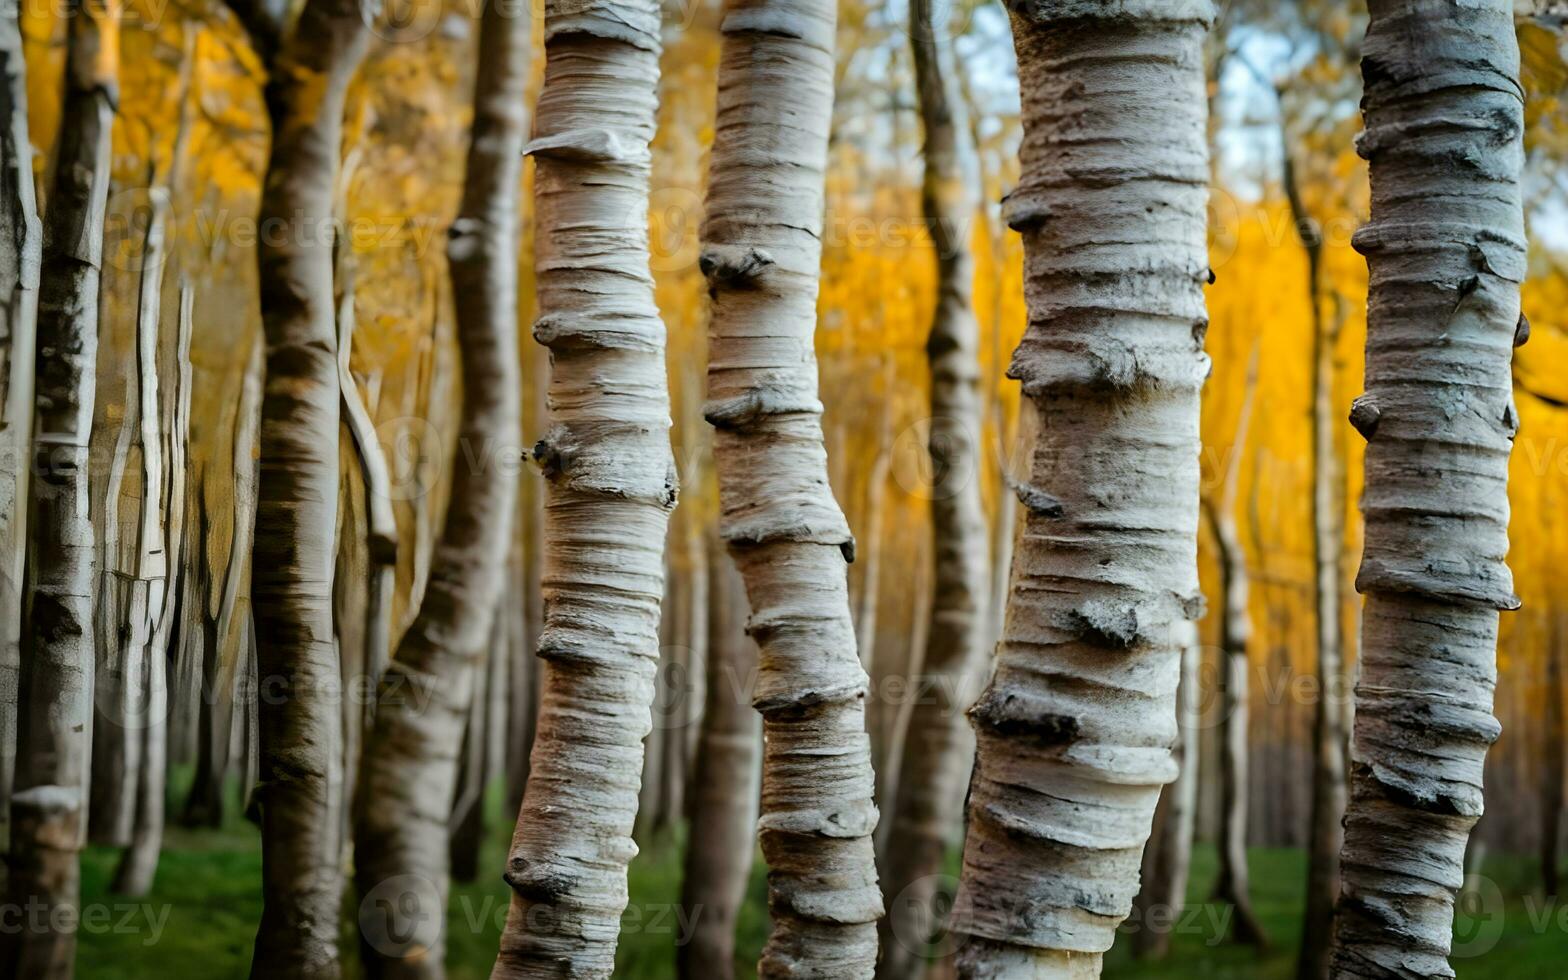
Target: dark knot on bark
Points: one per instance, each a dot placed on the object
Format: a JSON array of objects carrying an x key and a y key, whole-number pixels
[
  {"x": 1037, "y": 501},
  {"x": 733, "y": 265},
  {"x": 1364, "y": 415},
  {"x": 537, "y": 882}
]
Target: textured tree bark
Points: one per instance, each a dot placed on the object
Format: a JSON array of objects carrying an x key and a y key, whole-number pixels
[
  {"x": 1167, "y": 861},
  {"x": 381, "y": 537},
  {"x": 522, "y": 714},
  {"x": 467, "y": 826},
  {"x": 1233, "y": 885},
  {"x": 927, "y": 798},
  {"x": 411, "y": 756},
  {"x": 120, "y": 616},
  {"x": 147, "y": 573},
  {"x": 300, "y": 792},
  {"x": 227, "y": 628},
  {"x": 610, "y": 486},
  {"x": 1324, "y": 835},
  {"x": 1074, "y": 730},
  {"x": 21, "y": 244},
  {"x": 1446, "y": 252},
  {"x": 761, "y": 255},
  {"x": 724, "y": 804},
  {"x": 139, "y": 863},
  {"x": 55, "y": 682},
  {"x": 366, "y": 561}
]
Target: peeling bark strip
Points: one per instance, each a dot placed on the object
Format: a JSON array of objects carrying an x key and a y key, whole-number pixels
[
  {"x": 1074, "y": 731},
  {"x": 300, "y": 791},
  {"x": 1445, "y": 251},
  {"x": 411, "y": 756},
  {"x": 55, "y": 684},
  {"x": 610, "y": 486},
  {"x": 761, "y": 255},
  {"x": 21, "y": 244},
  {"x": 929, "y": 788}
]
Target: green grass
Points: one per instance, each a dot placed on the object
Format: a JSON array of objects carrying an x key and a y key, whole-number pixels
[{"x": 202, "y": 914}]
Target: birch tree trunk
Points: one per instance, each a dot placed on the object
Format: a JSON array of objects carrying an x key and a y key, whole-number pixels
[
  {"x": 926, "y": 801},
  {"x": 21, "y": 244},
  {"x": 1324, "y": 835},
  {"x": 761, "y": 254},
  {"x": 1167, "y": 861},
  {"x": 55, "y": 683},
  {"x": 139, "y": 863},
  {"x": 1233, "y": 885},
  {"x": 1074, "y": 730},
  {"x": 610, "y": 487},
  {"x": 227, "y": 629},
  {"x": 411, "y": 757},
  {"x": 724, "y": 807},
  {"x": 299, "y": 724},
  {"x": 1445, "y": 251}
]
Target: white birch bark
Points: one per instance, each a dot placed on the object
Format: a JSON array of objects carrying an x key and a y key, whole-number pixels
[
  {"x": 761, "y": 255},
  {"x": 610, "y": 486},
  {"x": 21, "y": 244},
  {"x": 1233, "y": 884},
  {"x": 1324, "y": 833},
  {"x": 927, "y": 796},
  {"x": 1167, "y": 860},
  {"x": 139, "y": 863},
  {"x": 299, "y": 725},
  {"x": 1446, "y": 252},
  {"x": 55, "y": 685},
  {"x": 724, "y": 805},
  {"x": 412, "y": 753},
  {"x": 1075, "y": 728}
]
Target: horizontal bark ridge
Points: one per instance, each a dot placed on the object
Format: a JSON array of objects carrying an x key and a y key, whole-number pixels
[
  {"x": 1445, "y": 252},
  {"x": 761, "y": 254},
  {"x": 1075, "y": 729},
  {"x": 610, "y": 487}
]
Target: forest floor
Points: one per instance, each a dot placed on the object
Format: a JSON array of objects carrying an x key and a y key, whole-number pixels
[{"x": 201, "y": 917}]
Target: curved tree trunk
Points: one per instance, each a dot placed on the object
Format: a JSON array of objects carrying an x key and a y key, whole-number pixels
[
  {"x": 925, "y": 806},
  {"x": 146, "y": 575},
  {"x": 227, "y": 629},
  {"x": 139, "y": 864},
  {"x": 610, "y": 488},
  {"x": 56, "y": 679},
  {"x": 761, "y": 254},
  {"x": 1233, "y": 885},
  {"x": 724, "y": 806},
  {"x": 1167, "y": 861},
  {"x": 1325, "y": 834},
  {"x": 1074, "y": 730},
  {"x": 21, "y": 244},
  {"x": 299, "y": 724},
  {"x": 1445, "y": 251},
  {"x": 411, "y": 755}
]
